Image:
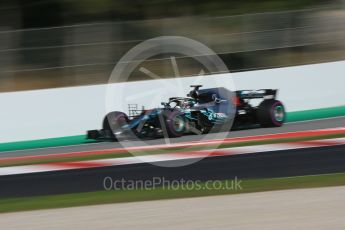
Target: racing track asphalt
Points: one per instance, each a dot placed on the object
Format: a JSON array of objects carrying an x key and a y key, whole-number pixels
[
  {"x": 289, "y": 127},
  {"x": 258, "y": 165}
]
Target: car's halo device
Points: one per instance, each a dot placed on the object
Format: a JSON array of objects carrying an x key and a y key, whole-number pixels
[{"x": 201, "y": 112}]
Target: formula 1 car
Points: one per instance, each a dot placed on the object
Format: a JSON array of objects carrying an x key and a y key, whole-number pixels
[{"x": 201, "y": 112}]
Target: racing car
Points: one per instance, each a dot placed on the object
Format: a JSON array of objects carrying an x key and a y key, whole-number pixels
[{"x": 200, "y": 112}]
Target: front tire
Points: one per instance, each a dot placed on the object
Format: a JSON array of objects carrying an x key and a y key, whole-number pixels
[
  {"x": 271, "y": 113},
  {"x": 175, "y": 123},
  {"x": 114, "y": 121}
]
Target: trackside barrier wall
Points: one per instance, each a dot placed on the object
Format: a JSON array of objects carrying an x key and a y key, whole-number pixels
[{"x": 41, "y": 114}]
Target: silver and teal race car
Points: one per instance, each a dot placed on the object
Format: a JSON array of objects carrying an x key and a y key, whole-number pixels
[{"x": 201, "y": 112}]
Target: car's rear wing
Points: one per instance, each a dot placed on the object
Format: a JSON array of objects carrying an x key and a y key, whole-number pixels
[{"x": 260, "y": 93}]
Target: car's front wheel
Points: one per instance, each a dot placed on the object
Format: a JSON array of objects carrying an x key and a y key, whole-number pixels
[
  {"x": 114, "y": 121},
  {"x": 175, "y": 123}
]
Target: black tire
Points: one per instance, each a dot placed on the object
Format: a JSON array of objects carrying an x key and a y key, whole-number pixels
[
  {"x": 175, "y": 123},
  {"x": 114, "y": 121},
  {"x": 271, "y": 113}
]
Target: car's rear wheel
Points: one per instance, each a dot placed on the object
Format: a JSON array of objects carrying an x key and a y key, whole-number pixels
[{"x": 271, "y": 113}]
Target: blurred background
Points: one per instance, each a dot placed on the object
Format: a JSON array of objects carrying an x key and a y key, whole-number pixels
[{"x": 59, "y": 43}]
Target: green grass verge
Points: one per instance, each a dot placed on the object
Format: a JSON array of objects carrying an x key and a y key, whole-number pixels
[
  {"x": 105, "y": 197},
  {"x": 163, "y": 151},
  {"x": 315, "y": 114},
  {"x": 44, "y": 143}
]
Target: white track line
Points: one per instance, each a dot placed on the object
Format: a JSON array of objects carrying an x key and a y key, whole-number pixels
[{"x": 15, "y": 170}]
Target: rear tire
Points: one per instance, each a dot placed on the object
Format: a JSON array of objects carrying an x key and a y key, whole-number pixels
[{"x": 271, "y": 113}]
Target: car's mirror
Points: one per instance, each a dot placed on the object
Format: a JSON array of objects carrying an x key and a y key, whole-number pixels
[{"x": 217, "y": 100}]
